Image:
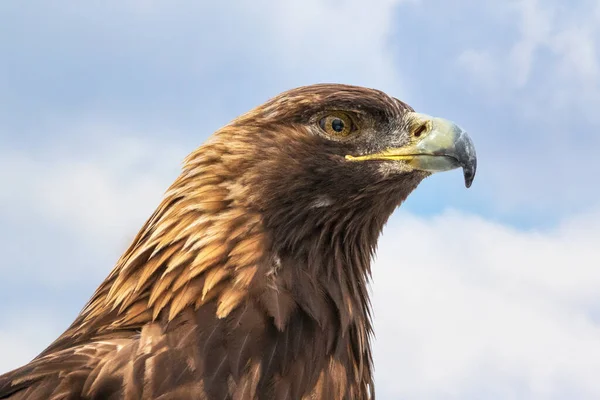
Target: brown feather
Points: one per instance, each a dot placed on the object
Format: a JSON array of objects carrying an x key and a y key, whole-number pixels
[{"x": 237, "y": 287}]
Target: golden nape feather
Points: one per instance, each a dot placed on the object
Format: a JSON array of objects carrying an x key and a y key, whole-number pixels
[{"x": 249, "y": 281}]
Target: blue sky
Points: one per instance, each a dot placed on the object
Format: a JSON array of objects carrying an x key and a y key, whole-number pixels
[{"x": 100, "y": 102}]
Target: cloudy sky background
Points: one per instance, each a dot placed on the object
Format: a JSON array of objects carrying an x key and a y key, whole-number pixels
[{"x": 492, "y": 292}]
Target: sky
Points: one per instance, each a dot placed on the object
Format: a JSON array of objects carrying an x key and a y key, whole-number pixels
[{"x": 491, "y": 292}]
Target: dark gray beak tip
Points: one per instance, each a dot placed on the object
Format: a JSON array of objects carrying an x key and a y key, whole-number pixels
[
  {"x": 469, "y": 173},
  {"x": 467, "y": 157}
]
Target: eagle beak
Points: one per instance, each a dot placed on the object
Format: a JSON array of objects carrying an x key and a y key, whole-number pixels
[{"x": 436, "y": 145}]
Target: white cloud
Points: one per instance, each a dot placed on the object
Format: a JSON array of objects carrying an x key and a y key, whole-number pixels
[
  {"x": 336, "y": 40},
  {"x": 554, "y": 44},
  {"x": 24, "y": 334},
  {"x": 540, "y": 73},
  {"x": 481, "y": 67},
  {"x": 468, "y": 308},
  {"x": 79, "y": 201},
  {"x": 535, "y": 28},
  {"x": 98, "y": 187},
  {"x": 294, "y": 42}
]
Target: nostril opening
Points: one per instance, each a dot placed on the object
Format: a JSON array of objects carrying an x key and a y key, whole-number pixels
[{"x": 420, "y": 130}]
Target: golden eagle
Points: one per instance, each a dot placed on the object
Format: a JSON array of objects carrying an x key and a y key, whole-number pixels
[{"x": 249, "y": 281}]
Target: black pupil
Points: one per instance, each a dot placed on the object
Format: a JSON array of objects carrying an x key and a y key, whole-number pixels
[{"x": 337, "y": 125}]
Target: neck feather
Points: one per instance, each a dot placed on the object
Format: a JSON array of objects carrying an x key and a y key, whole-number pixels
[{"x": 209, "y": 249}]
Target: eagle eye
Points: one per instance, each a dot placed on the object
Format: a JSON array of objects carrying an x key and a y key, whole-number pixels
[{"x": 337, "y": 124}]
